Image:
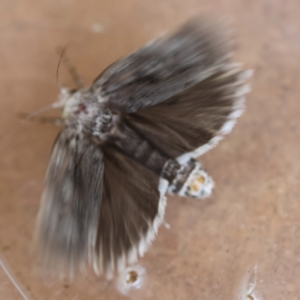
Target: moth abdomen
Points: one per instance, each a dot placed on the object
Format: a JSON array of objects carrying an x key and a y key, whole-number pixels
[
  {"x": 186, "y": 178},
  {"x": 140, "y": 149}
]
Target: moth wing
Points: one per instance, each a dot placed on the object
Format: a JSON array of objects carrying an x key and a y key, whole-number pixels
[
  {"x": 195, "y": 120},
  {"x": 164, "y": 67},
  {"x": 69, "y": 213},
  {"x": 132, "y": 209}
]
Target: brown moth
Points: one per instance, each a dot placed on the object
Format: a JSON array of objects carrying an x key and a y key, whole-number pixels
[{"x": 131, "y": 137}]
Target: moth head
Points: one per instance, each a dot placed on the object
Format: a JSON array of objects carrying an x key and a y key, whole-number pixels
[
  {"x": 80, "y": 108},
  {"x": 67, "y": 100},
  {"x": 75, "y": 103}
]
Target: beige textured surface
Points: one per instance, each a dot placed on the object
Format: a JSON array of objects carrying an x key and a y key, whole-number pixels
[{"x": 213, "y": 247}]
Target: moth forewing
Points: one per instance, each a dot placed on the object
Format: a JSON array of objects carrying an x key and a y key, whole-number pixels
[{"x": 68, "y": 217}]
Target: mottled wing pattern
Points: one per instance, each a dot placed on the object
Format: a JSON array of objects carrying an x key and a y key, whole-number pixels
[
  {"x": 132, "y": 208},
  {"x": 69, "y": 215},
  {"x": 196, "y": 119},
  {"x": 164, "y": 67}
]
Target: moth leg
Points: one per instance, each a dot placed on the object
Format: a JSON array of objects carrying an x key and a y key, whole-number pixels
[
  {"x": 191, "y": 180},
  {"x": 52, "y": 120}
]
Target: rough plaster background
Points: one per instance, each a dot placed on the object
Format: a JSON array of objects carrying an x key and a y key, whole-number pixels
[{"x": 213, "y": 247}]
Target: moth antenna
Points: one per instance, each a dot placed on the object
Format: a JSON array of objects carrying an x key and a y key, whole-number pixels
[
  {"x": 13, "y": 279},
  {"x": 71, "y": 69},
  {"x": 57, "y": 69},
  {"x": 30, "y": 116}
]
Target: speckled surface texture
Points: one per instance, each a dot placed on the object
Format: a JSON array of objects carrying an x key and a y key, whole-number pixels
[{"x": 248, "y": 232}]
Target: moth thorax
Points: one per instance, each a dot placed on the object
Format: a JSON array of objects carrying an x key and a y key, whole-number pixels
[{"x": 102, "y": 121}]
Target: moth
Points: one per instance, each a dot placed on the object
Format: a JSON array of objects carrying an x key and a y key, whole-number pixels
[{"x": 129, "y": 139}]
